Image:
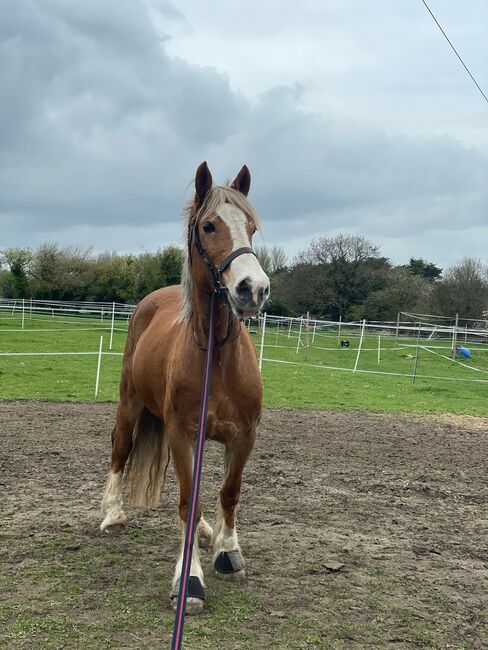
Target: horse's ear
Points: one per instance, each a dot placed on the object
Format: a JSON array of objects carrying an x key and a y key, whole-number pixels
[
  {"x": 242, "y": 182},
  {"x": 203, "y": 182}
]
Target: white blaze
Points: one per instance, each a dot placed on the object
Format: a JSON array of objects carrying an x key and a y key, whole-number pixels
[{"x": 246, "y": 265}]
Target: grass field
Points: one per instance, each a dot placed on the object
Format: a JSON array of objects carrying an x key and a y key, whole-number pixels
[{"x": 296, "y": 380}]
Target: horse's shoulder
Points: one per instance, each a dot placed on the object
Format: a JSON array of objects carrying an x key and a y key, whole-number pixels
[
  {"x": 162, "y": 297},
  {"x": 166, "y": 299},
  {"x": 165, "y": 302}
]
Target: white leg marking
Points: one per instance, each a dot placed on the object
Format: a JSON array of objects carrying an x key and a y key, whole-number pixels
[
  {"x": 193, "y": 605},
  {"x": 225, "y": 538},
  {"x": 114, "y": 516}
]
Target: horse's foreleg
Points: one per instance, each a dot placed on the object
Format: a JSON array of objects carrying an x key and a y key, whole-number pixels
[
  {"x": 182, "y": 455},
  {"x": 227, "y": 556},
  {"x": 112, "y": 511}
]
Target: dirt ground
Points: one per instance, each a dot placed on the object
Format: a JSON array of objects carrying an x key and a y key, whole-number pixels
[{"x": 359, "y": 531}]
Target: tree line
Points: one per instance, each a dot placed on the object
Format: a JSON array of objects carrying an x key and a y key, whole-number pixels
[
  {"x": 347, "y": 277},
  {"x": 344, "y": 276},
  {"x": 53, "y": 272}
]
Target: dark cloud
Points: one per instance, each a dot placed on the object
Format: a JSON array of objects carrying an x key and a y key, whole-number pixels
[{"x": 101, "y": 127}]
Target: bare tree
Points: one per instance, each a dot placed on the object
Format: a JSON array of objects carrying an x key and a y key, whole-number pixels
[
  {"x": 349, "y": 249},
  {"x": 272, "y": 260},
  {"x": 264, "y": 258},
  {"x": 463, "y": 290},
  {"x": 343, "y": 270},
  {"x": 278, "y": 259}
]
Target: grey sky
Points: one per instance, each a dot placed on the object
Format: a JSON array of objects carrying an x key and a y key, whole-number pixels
[{"x": 353, "y": 117}]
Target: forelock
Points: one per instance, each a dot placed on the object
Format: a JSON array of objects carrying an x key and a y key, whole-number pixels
[{"x": 219, "y": 196}]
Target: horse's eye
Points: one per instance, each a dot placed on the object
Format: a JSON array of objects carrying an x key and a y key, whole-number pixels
[{"x": 208, "y": 227}]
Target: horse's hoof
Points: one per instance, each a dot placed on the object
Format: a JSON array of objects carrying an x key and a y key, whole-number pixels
[
  {"x": 229, "y": 565},
  {"x": 237, "y": 576},
  {"x": 195, "y": 597},
  {"x": 113, "y": 523},
  {"x": 193, "y": 605}
]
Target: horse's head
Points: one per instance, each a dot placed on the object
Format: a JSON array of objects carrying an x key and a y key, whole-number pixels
[{"x": 221, "y": 228}]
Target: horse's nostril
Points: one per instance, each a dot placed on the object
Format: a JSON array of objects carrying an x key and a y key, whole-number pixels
[
  {"x": 244, "y": 290},
  {"x": 244, "y": 284}
]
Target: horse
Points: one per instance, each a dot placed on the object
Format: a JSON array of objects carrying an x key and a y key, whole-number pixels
[{"x": 160, "y": 385}]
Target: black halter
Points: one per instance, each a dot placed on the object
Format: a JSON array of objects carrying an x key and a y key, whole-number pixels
[
  {"x": 216, "y": 276},
  {"x": 216, "y": 271}
]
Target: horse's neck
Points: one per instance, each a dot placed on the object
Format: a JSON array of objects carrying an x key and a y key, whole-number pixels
[{"x": 201, "y": 319}]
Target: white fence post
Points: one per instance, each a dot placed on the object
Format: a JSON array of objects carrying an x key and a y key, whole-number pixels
[
  {"x": 300, "y": 334},
  {"x": 262, "y": 342},
  {"x": 454, "y": 337},
  {"x": 112, "y": 328},
  {"x": 396, "y": 333},
  {"x": 97, "y": 382},
  {"x": 415, "y": 363},
  {"x": 360, "y": 345}
]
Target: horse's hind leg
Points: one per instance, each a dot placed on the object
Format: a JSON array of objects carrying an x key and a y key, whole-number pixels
[
  {"x": 227, "y": 556},
  {"x": 112, "y": 511}
]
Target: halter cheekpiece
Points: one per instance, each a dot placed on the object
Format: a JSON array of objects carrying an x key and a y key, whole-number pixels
[{"x": 216, "y": 271}]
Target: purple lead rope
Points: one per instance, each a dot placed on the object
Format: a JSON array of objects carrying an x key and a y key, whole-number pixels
[{"x": 195, "y": 486}]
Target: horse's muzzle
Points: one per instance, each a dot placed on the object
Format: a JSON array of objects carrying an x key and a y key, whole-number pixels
[{"x": 249, "y": 296}]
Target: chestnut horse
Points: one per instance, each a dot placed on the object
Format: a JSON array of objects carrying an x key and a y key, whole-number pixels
[{"x": 160, "y": 386}]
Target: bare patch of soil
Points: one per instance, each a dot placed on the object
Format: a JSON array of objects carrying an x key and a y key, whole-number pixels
[{"x": 360, "y": 530}]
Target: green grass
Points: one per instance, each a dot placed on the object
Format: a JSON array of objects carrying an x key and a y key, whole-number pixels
[
  {"x": 60, "y": 377},
  {"x": 67, "y": 593},
  {"x": 306, "y": 380},
  {"x": 91, "y": 598}
]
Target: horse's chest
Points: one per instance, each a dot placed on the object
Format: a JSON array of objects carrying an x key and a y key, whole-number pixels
[{"x": 235, "y": 401}]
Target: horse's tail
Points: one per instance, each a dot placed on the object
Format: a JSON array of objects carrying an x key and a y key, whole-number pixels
[{"x": 148, "y": 461}]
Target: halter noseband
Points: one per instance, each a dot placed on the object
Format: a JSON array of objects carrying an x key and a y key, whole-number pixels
[{"x": 216, "y": 271}]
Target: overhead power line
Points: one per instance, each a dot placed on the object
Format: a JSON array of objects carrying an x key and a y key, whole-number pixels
[{"x": 455, "y": 51}]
